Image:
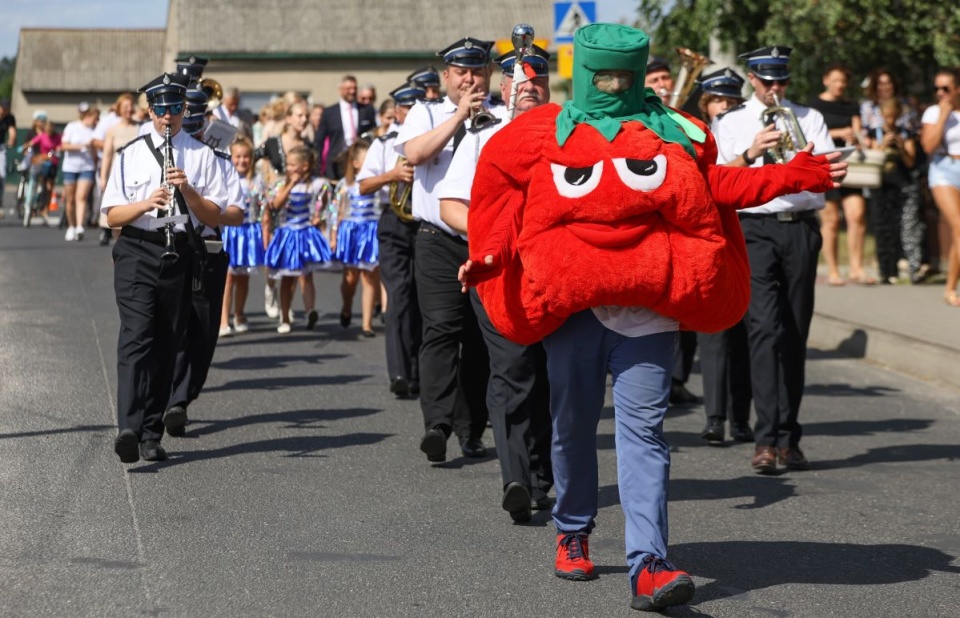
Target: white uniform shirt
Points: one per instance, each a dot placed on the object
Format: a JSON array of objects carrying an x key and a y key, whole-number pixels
[
  {"x": 735, "y": 130},
  {"x": 951, "y": 131},
  {"x": 78, "y": 134},
  {"x": 220, "y": 112},
  {"x": 231, "y": 180},
  {"x": 135, "y": 175},
  {"x": 423, "y": 117},
  {"x": 381, "y": 158}
]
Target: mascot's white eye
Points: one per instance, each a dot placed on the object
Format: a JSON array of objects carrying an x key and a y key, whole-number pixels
[
  {"x": 576, "y": 181},
  {"x": 642, "y": 174}
]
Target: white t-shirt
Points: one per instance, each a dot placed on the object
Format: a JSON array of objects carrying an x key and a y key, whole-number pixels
[
  {"x": 74, "y": 161},
  {"x": 951, "y": 132},
  {"x": 380, "y": 159}
]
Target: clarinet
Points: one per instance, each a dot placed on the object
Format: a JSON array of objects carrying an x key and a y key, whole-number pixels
[{"x": 170, "y": 250}]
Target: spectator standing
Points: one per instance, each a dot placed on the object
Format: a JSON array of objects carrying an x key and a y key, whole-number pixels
[
  {"x": 340, "y": 125},
  {"x": 117, "y": 136},
  {"x": 8, "y": 140},
  {"x": 79, "y": 169}
]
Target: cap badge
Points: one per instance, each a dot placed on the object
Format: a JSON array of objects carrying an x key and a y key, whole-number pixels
[
  {"x": 468, "y": 44},
  {"x": 728, "y": 73},
  {"x": 166, "y": 79},
  {"x": 775, "y": 53}
]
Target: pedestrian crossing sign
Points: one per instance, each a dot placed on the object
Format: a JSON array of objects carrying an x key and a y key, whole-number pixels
[{"x": 569, "y": 16}]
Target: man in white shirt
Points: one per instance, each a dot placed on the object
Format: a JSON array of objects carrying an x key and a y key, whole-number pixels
[
  {"x": 783, "y": 244},
  {"x": 154, "y": 260},
  {"x": 453, "y": 359}
]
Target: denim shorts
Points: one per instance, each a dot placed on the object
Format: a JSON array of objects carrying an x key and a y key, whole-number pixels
[
  {"x": 71, "y": 178},
  {"x": 944, "y": 172}
]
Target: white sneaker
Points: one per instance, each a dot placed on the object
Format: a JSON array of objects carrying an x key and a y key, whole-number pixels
[
  {"x": 284, "y": 328},
  {"x": 79, "y": 232},
  {"x": 291, "y": 316},
  {"x": 240, "y": 327},
  {"x": 270, "y": 304},
  {"x": 71, "y": 234},
  {"x": 226, "y": 331}
]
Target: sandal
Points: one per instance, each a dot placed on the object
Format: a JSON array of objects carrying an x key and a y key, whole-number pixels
[
  {"x": 862, "y": 280},
  {"x": 951, "y": 299},
  {"x": 835, "y": 280}
]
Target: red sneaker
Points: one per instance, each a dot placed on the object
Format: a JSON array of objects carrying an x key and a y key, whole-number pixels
[
  {"x": 573, "y": 557},
  {"x": 659, "y": 584}
]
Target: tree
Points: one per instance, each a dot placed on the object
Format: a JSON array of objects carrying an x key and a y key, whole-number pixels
[
  {"x": 912, "y": 38},
  {"x": 7, "y": 68}
]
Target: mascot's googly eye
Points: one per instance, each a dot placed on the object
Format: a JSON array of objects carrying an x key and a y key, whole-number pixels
[
  {"x": 576, "y": 181},
  {"x": 642, "y": 174}
]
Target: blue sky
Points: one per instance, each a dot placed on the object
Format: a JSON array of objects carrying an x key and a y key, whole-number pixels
[{"x": 16, "y": 14}]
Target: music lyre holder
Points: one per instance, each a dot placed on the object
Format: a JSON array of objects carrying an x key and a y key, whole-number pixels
[{"x": 160, "y": 222}]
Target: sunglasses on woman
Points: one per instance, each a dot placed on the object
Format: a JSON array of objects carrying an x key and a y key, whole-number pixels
[{"x": 174, "y": 109}]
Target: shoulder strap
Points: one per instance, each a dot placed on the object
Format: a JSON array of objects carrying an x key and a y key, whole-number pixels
[
  {"x": 131, "y": 142},
  {"x": 192, "y": 234}
]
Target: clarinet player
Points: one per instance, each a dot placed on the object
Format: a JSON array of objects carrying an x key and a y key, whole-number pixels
[{"x": 153, "y": 291}]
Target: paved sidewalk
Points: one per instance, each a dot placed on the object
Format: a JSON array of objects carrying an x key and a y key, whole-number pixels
[{"x": 908, "y": 328}]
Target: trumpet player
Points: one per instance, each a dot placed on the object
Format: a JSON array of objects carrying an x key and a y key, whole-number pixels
[
  {"x": 659, "y": 78},
  {"x": 518, "y": 392},
  {"x": 453, "y": 359},
  {"x": 153, "y": 291},
  {"x": 385, "y": 172},
  {"x": 783, "y": 243}
]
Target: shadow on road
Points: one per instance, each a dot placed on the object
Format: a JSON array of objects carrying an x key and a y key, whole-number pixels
[
  {"x": 865, "y": 428},
  {"x": 741, "y": 566},
  {"x": 854, "y": 346},
  {"x": 291, "y": 419},
  {"x": 894, "y": 454},
  {"x": 296, "y": 446},
  {"x": 845, "y": 390},
  {"x": 53, "y": 432},
  {"x": 762, "y": 491},
  {"x": 275, "y": 362},
  {"x": 275, "y": 384}
]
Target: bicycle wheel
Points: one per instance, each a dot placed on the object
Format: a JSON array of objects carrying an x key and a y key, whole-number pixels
[
  {"x": 29, "y": 200},
  {"x": 21, "y": 189}
]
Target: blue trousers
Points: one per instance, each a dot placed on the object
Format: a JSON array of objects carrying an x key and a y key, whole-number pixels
[{"x": 578, "y": 356}]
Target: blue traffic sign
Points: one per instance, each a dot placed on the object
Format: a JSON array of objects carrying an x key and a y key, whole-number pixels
[{"x": 568, "y": 16}]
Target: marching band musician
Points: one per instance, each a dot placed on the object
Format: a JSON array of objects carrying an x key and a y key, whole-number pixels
[
  {"x": 196, "y": 349},
  {"x": 397, "y": 236},
  {"x": 153, "y": 292},
  {"x": 518, "y": 392},
  {"x": 783, "y": 244},
  {"x": 428, "y": 79},
  {"x": 453, "y": 359}
]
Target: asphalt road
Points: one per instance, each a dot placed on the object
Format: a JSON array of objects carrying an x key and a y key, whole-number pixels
[{"x": 299, "y": 489}]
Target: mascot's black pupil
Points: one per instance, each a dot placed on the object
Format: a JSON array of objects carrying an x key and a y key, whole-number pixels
[
  {"x": 576, "y": 176},
  {"x": 642, "y": 167}
]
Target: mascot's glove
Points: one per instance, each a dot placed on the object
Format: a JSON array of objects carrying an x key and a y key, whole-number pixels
[{"x": 746, "y": 187}]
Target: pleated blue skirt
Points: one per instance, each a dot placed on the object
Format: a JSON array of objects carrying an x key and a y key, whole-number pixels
[
  {"x": 244, "y": 243},
  {"x": 357, "y": 244},
  {"x": 294, "y": 252}
]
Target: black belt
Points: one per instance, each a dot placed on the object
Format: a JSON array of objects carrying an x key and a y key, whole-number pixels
[
  {"x": 783, "y": 217},
  {"x": 157, "y": 237},
  {"x": 429, "y": 228}
]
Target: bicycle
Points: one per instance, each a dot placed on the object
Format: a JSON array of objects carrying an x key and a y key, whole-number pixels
[{"x": 31, "y": 200}]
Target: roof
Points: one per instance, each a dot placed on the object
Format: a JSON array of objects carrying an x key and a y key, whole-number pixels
[
  {"x": 81, "y": 60},
  {"x": 334, "y": 28}
]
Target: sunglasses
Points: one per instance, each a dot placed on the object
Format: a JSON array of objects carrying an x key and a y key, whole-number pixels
[
  {"x": 175, "y": 109},
  {"x": 941, "y": 88},
  {"x": 768, "y": 83}
]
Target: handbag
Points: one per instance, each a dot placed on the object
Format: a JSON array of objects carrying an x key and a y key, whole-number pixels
[{"x": 865, "y": 170}]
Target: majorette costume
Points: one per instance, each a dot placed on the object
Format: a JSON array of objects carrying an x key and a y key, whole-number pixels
[
  {"x": 297, "y": 247},
  {"x": 244, "y": 242},
  {"x": 357, "y": 244},
  {"x": 610, "y": 227}
]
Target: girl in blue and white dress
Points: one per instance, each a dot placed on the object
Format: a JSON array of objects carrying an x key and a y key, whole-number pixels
[
  {"x": 244, "y": 242},
  {"x": 297, "y": 247},
  {"x": 356, "y": 246}
]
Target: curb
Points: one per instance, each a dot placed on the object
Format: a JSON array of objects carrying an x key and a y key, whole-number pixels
[{"x": 921, "y": 359}]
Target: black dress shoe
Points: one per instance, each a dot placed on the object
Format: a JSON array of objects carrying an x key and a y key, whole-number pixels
[
  {"x": 126, "y": 446},
  {"x": 151, "y": 450},
  {"x": 516, "y": 501},
  {"x": 680, "y": 396},
  {"x": 369, "y": 334},
  {"x": 741, "y": 433},
  {"x": 345, "y": 319},
  {"x": 434, "y": 445},
  {"x": 540, "y": 501},
  {"x": 400, "y": 387},
  {"x": 473, "y": 447},
  {"x": 713, "y": 432},
  {"x": 312, "y": 318},
  {"x": 175, "y": 420},
  {"x": 414, "y": 388}
]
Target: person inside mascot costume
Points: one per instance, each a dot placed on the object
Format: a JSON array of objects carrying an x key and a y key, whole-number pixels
[{"x": 602, "y": 228}]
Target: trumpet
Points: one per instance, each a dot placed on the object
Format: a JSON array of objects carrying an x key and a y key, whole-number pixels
[
  {"x": 169, "y": 249},
  {"x": 400, "y": 197},
  {"x": 691, "y": 65},
  {"x": 791, "y": 139}
]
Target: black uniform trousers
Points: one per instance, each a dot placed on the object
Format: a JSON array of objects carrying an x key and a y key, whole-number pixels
[
  {"x": 454, "y": 366},
  {"x": 518, "y": 400},
  {"x": 683, "y": 359},
  {"x": 725, "y": 367},
  {"x": 153, "y": 298},
  {"x": 195, "y": 352},
  {"x": 783, "y": 270},
  {"x": 403, "y": 324}
]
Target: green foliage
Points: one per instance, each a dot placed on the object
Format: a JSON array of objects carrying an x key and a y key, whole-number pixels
[
  {"x": 910, "y": 37},
  {"x": 7, "y": 68}
]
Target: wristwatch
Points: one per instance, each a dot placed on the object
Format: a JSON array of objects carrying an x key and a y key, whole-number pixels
[{"x": 746, "y": 158}]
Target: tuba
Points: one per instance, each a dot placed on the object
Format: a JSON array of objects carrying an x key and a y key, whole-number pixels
[
  {"x": 213, "y": 90},
  {"x": 400, "y": 197},
  {"x": 791, "y": 135},
  {"x": 691, "y": 65}
]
